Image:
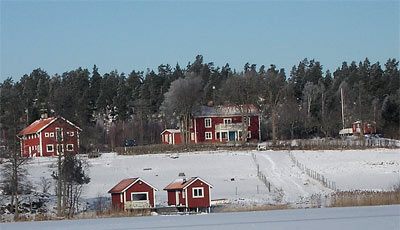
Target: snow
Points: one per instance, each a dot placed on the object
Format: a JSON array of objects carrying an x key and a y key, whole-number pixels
[
  {"x": 233, "y": 174},
  {"x": 374, "y": 217},
  {"x": 371, "y": 169}
]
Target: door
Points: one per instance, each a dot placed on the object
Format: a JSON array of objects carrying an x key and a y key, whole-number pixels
[{"x": 231, "y": 136}]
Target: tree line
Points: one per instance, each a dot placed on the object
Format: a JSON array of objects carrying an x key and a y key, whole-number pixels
[{"x": 113, "y": 107}]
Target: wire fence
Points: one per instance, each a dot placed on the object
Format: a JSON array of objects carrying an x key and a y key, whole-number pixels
[
  {"x": 314, "y": 174},
  {"x": 261, "y": 175}
]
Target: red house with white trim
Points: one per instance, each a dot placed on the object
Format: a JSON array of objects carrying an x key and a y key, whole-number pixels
[
  {"x": 171, "y": 136},
  {"x": 219, "y": 124},
  {"x": 194, "y": 193},
  {"x": 133, "y": 193},
  {"x": 49, "y": 136}
]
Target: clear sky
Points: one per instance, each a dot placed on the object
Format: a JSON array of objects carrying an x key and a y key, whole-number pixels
[{"x": 60, "y": 36}]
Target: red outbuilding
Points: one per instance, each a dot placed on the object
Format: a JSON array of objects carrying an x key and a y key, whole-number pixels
[
  {"x": 171, "y": 136},
  {"x": 194, "y": 193},
  {"x": 48, "y": 137},
  {"x": 133, "y": 193}
]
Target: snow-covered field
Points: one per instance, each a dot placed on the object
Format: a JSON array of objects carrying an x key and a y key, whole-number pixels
[
  {"x": 375, "y": 217},
  {"x": 234, "y": 173},
  {"x": 372, "y": 169}
]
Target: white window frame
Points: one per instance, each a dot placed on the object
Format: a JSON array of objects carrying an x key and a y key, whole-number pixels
[
  {"x": 205, "y": 123},
  {"x": 51, "y": 134},
  {"x": 137, "y": 193},
  {"x": 72, "y": 147},
  {"x": 71, "y": 134},
  {"x": 198, "y": 189},
  {"x": 226, "y": 135},
  {"x": 52, "y": 148},
  {"x": 248, "y": 134},
  {"x": 46, "y": 134},
  {"x": 210, "y": 135},
  {"x": 227, "y": 121}
]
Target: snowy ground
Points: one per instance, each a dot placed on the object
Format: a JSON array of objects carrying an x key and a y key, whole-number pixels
[
  {"x": 234, "y": 173},
  {"x": 372, "y": 169},
  {"x": 375, "y": 217}
]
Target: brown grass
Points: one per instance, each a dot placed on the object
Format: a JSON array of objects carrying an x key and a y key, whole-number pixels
[
  {"x": 364, "y": 198},
  {"x": 224, "y": 209}
]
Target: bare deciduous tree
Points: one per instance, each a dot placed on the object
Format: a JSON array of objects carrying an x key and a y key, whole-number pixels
[{"x": 183, "y": 95}]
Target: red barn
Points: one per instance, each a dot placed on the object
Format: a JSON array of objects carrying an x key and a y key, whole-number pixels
[
  {"x": 171, "y": 136},
  {"x": 133, "y": 193},
  {"x": 194, "y": 193},
  {"x": 220, "y": 124},
  {"x": 41, "y": 138}
]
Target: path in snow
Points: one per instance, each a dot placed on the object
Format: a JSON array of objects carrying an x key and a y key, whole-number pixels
[{"x": 283, "y": 174}]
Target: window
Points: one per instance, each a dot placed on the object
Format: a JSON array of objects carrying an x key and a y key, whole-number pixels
[
  {"x": 46, "y": 134},
  {"x": 70, "y": 147},
  {"x": 50, "y": 148},
  {"x": 224, "y": 135},
  {"x": 227, "y": 121},
  {"x": 247, "y": 119},
  {"x": 139, "y": 196},
  {"x": 71, "y": 134},
  {"x": 218, "y": 135},
  {"x": 208, "y": 135},
  {"x": 51, "y": 134},
  {"x": 59, "y": 134},
  {"x": 207, "y": 122},
  {"x": 249, "y": 134},
  {"x": 198, "y": 192}
]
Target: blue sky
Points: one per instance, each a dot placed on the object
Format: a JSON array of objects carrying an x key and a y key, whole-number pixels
[{"x": 59, "y": 36}]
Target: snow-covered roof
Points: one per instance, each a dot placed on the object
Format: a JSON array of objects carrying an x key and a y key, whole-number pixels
[
  {"x": 170, "y": 131},
  {"x": 223, "y": 110},
  {"x": 182, "y": 184}
]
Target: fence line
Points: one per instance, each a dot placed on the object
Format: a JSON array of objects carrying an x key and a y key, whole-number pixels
[
  {"x": 304, "y": 143},
  {"x": 261, "y": 175},
  {"x": 314, "y": 174}
]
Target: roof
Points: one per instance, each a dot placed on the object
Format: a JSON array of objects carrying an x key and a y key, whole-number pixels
[
  {"x": 180, "y": 183},
  {"x": 39, "y": 125},
  {"x": 222, "y": 110},
  {"x": 124, "y": 184},
  {"x": 171, "y": 131}
]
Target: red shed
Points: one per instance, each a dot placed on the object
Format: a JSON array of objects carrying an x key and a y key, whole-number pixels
[
  {"x": 171, "y": 136},
  {"x": 41, "y": 137},
  {"x": 133, "y": 193},
  {"x": 194, "y": 193}
]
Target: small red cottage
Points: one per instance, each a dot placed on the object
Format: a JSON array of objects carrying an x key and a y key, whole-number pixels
[
  {"x": 133, "y": 193},
  {"x": 171, "y": 136},
  {"x": 194, "y": 193},
  {"x": 49, "y": 136}
]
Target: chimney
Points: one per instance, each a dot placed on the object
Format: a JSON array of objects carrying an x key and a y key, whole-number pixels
[{"x": 44, "y": 116}]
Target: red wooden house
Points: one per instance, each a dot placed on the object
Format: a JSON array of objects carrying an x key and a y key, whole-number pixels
[
  {"x": 220, "y": 124},
  {"x": 194, "y": 193},
  {"x": 171, "y": 136},
  {"x": 133, "y": 193},
  {"x": 49, "y": 136}
]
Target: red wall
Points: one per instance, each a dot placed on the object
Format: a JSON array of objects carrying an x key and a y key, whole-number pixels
[
  {"x": 177, "y": 136},
  {"x": 67, "y": 138},
  {"x": 32, "y": 141},
  {"x": 140, "y": 187},
  {"x": 116, "y": 201},
  {"x": 198, "y": 202}
]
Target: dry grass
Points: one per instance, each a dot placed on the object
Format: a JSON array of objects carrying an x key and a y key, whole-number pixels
[
  {"x": 364, "y": 198},
  {"x": 224, "y": 209}
]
